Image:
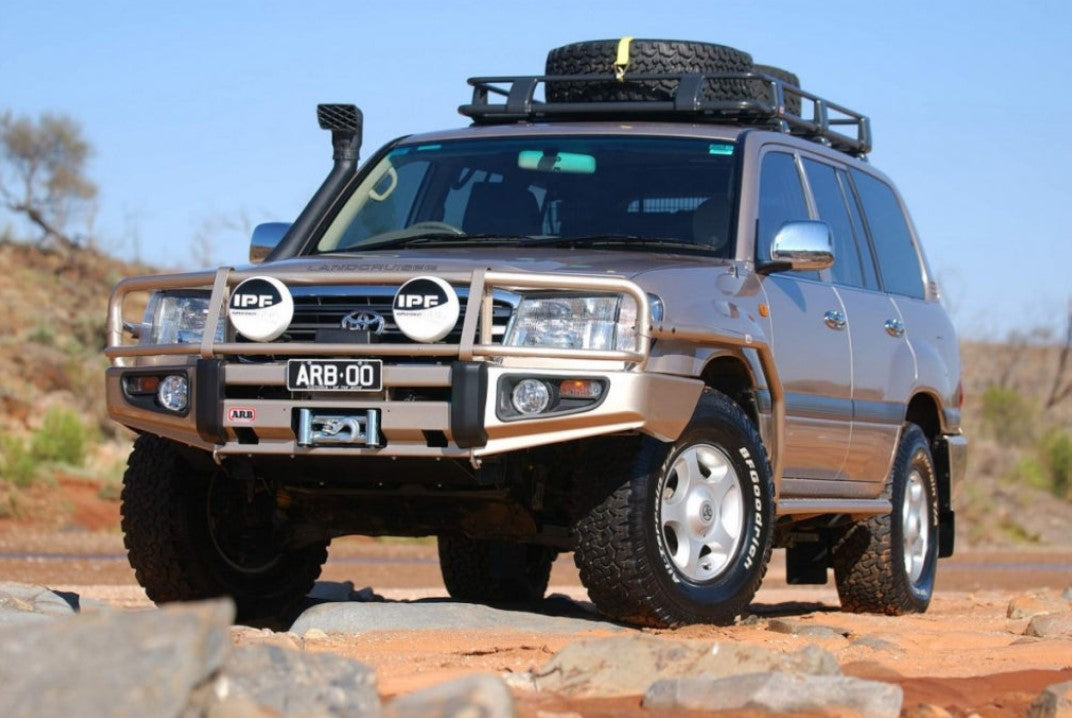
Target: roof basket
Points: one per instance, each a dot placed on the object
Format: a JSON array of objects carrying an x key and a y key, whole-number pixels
[{"x": 827, "y": 123}]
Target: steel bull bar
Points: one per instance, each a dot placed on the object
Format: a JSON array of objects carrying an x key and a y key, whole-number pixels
[{"x": 476, "y": 341}]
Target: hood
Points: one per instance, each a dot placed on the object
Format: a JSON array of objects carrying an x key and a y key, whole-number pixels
[{"x": 557, "y": 260}]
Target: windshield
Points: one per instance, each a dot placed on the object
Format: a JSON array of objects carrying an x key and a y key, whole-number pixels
[{"x": 668, "y": 193}]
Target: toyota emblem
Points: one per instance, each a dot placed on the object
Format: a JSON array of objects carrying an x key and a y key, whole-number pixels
[{"x": 364, "y": 321}]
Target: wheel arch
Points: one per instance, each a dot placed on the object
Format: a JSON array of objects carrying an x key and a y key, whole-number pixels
[
  {"x": 925, "y": 411},
  {"x": 731, "y": 375}
]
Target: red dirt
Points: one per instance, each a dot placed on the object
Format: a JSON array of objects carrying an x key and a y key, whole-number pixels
[{"x": 964, "y": 655}]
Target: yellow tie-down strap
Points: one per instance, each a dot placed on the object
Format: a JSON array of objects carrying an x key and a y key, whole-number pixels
[{"x": 622, "y": 61}]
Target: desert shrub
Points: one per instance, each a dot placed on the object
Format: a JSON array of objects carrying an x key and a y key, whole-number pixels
[
  {"x": 88, "y": 331},
  {"x": 42, "y": 334},
  {"x": 1008, "y": 416},
  {"x": 1057, "y": 457},
  {"x": 17, "y": 463},
  {"x": 61, "y": 438}
]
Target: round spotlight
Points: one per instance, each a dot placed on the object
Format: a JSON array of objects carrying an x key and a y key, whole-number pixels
[
  {"x": 531, "y": 396},
  {"x": 174, "y": 392}
]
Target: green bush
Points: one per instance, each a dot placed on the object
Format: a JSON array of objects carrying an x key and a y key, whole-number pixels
[
  {"x": 61, "y": 438},
  {"x": 1008, "y": 416},
  {"x": 42, "y": 334},
  {"x": 1057, "y": 456},
  {"x": 17, "y": 463}
]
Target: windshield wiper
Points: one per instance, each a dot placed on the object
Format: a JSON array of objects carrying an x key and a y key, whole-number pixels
[
  {"x": 619, "y": 240},
  {"x": 428, "y": 238}
]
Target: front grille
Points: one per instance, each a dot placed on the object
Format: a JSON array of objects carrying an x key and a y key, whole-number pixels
[
  {"x": 324, "y": 308},
  {"x": 315, "y": 312}
]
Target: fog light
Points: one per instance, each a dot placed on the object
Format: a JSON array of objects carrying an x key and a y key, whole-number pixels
[
  {"x": 580, "y": 389},
  {"x": 173, "y": 393},
  {"x": 530, "y": 396}
]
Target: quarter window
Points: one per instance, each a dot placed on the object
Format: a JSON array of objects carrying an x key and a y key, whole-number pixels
[{"x": 898, "y": 261}]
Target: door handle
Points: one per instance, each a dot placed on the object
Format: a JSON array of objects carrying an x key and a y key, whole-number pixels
[
  {"x": 894, "y": 328},
  {"x": 834, "y": 319}
]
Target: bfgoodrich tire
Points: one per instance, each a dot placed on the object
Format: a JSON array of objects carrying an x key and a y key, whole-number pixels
[
  {"x": 685, "y": 536},
  {"x": 185, "y": 541},
  {"x": 887, "y": 564},
  {"x": 485, "y": 571},
  {"x": 597, "y": 57}
]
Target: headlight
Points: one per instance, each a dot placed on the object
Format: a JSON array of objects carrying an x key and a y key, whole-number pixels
[
  {"x": 597, "y": 323},
  {"x": 179, "y": 318}
]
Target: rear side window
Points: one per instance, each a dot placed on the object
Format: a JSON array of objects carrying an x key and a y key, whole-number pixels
[
  {"x": 898, "y": 261},
  {"x": 830, "y": 203},
  {"x": 781, "y": 199}
]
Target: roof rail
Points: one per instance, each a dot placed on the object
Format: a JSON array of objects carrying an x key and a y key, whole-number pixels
[{"x": 823, "y": 125}]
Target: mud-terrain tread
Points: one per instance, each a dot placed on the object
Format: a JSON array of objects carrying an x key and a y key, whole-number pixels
[
  {"x": 792, "y": 102},
  {"x": 614, "y": 565},
  {"x": 163, "y": 551},
  {"x": 597, "y": 57},
  {"x": 869, "y": 576},
  {"x": 486, "y": 571}
]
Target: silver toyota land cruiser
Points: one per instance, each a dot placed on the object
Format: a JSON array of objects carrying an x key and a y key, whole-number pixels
[{"x": 653, "y": 307}]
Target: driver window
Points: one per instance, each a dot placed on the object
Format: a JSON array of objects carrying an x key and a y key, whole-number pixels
[{"x": 781, "y": 200}]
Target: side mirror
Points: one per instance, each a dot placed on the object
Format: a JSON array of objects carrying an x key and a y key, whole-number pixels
[
  {"x": 800, "y": 245},
  {"x": 265, "y": 238}
]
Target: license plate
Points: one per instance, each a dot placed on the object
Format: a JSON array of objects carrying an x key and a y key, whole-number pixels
[{"x": 334, "y": 374}]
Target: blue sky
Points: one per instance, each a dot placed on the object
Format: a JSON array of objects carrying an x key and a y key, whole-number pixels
[{"x": 201, "y": 112}]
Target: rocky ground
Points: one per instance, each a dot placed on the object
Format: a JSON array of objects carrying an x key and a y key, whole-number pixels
[{"x": 996, "y": 642}]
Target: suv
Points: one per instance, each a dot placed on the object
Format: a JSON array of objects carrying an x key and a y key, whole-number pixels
[{"x": 664, "y": 318}]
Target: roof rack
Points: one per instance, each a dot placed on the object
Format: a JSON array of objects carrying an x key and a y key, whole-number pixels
[{"x": 688, "y": 104}]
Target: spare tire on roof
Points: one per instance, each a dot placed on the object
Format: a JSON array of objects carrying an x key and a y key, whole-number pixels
[
  {"x": 792, "y": 101},
  {"x": 598, "y": 57}
]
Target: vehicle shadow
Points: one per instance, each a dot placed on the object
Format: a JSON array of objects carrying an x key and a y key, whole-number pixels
[{"x": 554, "y": 606}]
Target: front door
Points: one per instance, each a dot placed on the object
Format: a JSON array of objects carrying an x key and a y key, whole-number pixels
[{"x": 808, "y": 331}]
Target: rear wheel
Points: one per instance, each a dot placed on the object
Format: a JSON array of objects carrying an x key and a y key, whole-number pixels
[
  {"x": 685, "y": 536},
  {"x": 489, "y": 571},
  {"x": 193, "y": 533},
  {"x": 886, "y": 564}
]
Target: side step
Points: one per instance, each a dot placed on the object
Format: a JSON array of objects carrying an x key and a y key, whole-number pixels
[{"x": 854, "y": 507}]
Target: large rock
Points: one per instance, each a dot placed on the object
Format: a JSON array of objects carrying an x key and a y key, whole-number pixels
[
  {"x": 113, "y": 664},
  {"x": 280, "y": 682},
  {"x": 22, "y": 604},
  {"x": 1050, "y": 625},
  {"x": 777, "y": 692},
  {"x": 628, "y": 665},
  {"x": 480, "y": 695},
  {"x": 1054, "y": 702},
  {"x": 356, "y": 618},
  {"x": 1030, "y": 605}
]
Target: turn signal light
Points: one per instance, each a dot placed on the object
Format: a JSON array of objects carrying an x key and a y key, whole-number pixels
[
  {"x": 580, "y": 389},
  {"x": 142, "y": 384}
]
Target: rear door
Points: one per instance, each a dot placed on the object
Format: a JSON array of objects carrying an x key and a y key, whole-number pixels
[{"x": 809, "y": 337}]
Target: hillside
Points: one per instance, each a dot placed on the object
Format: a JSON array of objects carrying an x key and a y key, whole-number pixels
[{"x": 51, "y": 372}]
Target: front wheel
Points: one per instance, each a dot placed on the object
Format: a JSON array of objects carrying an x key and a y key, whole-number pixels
[
  {"x": 192, "y": 534},
  {"x": 685, "y": 535},
  {"x": 886, "y": 564}
]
